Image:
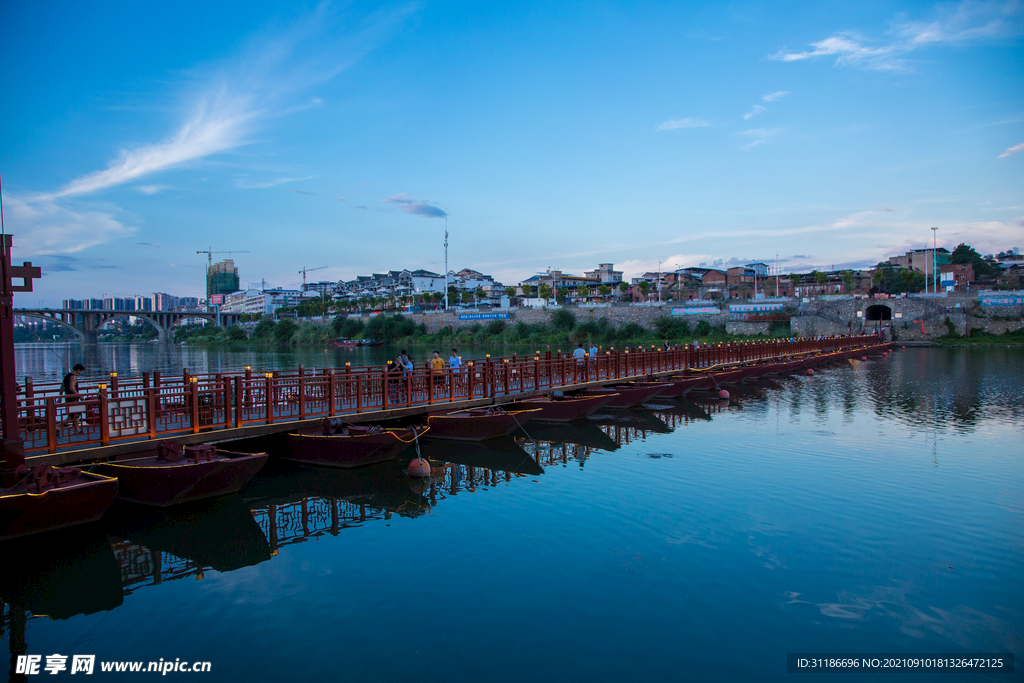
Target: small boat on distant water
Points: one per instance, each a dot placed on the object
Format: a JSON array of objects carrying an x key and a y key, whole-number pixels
[
  {"x": 51, "y": 498},
  {"x": 478, "y": 424},
  {"x": 561, "y": 408},
  {"x": 170, "y": 474},
  {"x": 352, "y": 343},
  {"x": 336, "y": 443}
]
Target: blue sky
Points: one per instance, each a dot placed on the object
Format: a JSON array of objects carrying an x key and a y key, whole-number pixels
[{"x": 550, "y": 135}]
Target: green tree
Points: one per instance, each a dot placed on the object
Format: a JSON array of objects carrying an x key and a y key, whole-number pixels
[
  {"x": 849, "y": 279},
  {"x": 645, "y": 287},
  {"x": 584, "y": 291},
  {"x": 544, "y": 292},
  {"x": 467, "y": 297},
  {"x": 966, "y": 254},
  {"x": 480, "y": 294},
  {"x": 560, "y": 296},
  {"x": 623, "y": 287},
  {"x": 236, "y": 333},
  {"x": 820, "y": 277},
  {"x": 453, "y": 295},
  {"x": 284, "y": 330},
  {"x": 510, "y": 292},
  {"x": 604, "y": 290}
]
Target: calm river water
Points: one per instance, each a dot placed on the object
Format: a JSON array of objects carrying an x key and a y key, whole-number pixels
[{"x": 873, "y": 507}]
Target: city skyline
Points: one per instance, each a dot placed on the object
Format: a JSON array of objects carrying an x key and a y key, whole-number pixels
[{"x": 540, "y": 137}]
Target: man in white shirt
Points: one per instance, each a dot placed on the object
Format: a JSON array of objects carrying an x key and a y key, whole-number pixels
[
  {"x": 579, "y": 353},
  {"x": 455, "y": 361}
]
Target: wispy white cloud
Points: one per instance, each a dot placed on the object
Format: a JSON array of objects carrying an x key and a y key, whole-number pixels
[
  {"x": 952, "y": 23},
  {"x": 248, "y": 185},
  {"x": 757, "y": 109},
  {"x": 758, "y": 136},
  {"x": 417, "y": 208},
  {"x": 1012, "y": 150},
  {"x": 225, "y": 103},
  {"x": 221, "y": 107},
  {"x": 45, "y": 227},
  {"x": 684, "y": 123},
  {"x": 636, "y": 267},
  {"x": 777, "y": 95}
]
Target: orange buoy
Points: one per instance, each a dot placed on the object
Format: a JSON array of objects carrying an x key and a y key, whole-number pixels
[
  {"x": 723, "y": 394},
  {"x": 863, "y": 357},
  {"x": 903, "y": 347},
  {"x": 810, "y": 371},
  {"x": 418, "y": 468}
]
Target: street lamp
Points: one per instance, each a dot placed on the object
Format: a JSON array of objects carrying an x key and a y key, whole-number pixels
[{"x": 935, "y": 262}]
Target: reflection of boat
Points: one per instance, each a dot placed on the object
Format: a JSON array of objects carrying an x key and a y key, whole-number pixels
[
  {"x": 219, "y": 533},
  {"x": 47, "y": 498},
  {"x": 335, "y": 443},
  {"x": 172, "y": 475},
  {"x": 564, "y": 408},
  {"x": 502, "y": 454},
  {"x": 582, "y": 433},
  {"x": 478, "y": 424},
  {"x": 383, "y": 486},
  {"x": 73, "y": 572},
  {"x": 644, "y": 420},
  {"x": 352, "y": 343},
  {"x": 628, "y": 396}
]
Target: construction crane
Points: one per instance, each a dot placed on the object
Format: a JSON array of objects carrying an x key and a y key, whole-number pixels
[
  {"x": 308, "y": 270},
  {"x": 209, "y": 265}
]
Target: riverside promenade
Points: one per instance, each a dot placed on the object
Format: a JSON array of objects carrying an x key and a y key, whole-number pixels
[{"x": 127, "y": 415}]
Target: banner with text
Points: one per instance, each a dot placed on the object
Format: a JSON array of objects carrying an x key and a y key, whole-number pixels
[
  {"x": 695, "y": 310},
  {"x": 483, "y": 316}
]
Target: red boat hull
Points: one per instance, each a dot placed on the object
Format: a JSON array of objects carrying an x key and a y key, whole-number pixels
[
  {"x": 627, "y": 396},
  {"x": 692, "y": 383},
  {"x": 83, "y": 499},
  {"x": 150, "y": 481},
  {"x": 311, "y": 447},
  {"x": 565, "y": 409},
  {"x": 471, "y": 425}
]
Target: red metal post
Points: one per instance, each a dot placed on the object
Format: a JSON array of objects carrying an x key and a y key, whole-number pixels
[
  {"x": 151, "y": 398},
  {"x": 239, "y": 405},
  {"x": 330, "y": 392},
  {"x": 104, "y": 419},
  {"x": 51, "y": 425},
  {"x": 302, "y": 395},
  {"x": 270, "y": 399},
  {"x": 194, "y": 398}
]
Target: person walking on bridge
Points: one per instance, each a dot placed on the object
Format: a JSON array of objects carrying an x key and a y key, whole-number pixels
[{"x": 69, "y": 387}]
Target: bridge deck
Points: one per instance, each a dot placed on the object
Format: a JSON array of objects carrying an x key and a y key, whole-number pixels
[{"x": 126, "y": 415}]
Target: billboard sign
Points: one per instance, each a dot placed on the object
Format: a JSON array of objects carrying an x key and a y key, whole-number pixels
[
  {"x": 483, "y": 316},
  {"x": 216, "y": 299}
]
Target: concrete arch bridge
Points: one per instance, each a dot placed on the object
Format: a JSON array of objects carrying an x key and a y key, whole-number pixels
[{"x": 88, "y": 322}]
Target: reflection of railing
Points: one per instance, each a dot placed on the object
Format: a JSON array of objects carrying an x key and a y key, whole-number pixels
[
  {"x": 310, "y": 517},
  {"x": 141, "y": 566},
  {"x": 153, "y": 407}
]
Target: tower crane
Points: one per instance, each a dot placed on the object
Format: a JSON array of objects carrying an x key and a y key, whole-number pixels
[
  {"x": 209, "y": 264},
  {"x": 308, "y": 270}
]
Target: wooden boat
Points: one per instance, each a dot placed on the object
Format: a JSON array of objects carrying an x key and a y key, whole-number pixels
[
  {"x": 338, "y": 444},
  {"x": 687, "y": 383},
  {"x": 352, "y": 343},
  {"x": 171, "y": 475},
  {"x": 478, "y": 424},
  {"x": 51, "y": 498},
  {"x": 561, "y": 408},
  {"x": 343, "y": 343},
  {"x": 627, "y": 396}
]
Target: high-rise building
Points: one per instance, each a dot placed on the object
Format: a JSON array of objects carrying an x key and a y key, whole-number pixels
[{"x": 222, "y": 278}]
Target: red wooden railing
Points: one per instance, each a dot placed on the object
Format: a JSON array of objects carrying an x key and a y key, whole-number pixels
[{"x": 151, "y": 406}]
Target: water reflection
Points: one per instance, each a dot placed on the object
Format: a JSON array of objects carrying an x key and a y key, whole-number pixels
[{"x": 98, "y": 568}]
